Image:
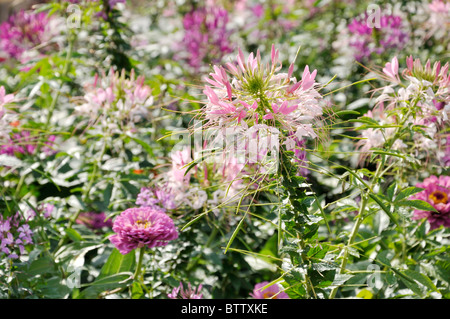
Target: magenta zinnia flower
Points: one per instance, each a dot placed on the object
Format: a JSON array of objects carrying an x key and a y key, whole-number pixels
[
  {"x": 189, "y": 293},
  {"x": 436, "y": 192},
  {"x": 271, "y": 292},
  {"x": 140, "y": 227}
]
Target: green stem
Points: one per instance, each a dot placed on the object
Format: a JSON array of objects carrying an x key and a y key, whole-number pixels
[
  {"x": 64, "y": 73},
  {"x": 85, "y": 195},
  {"x": 378, "y": 175},
  {"x": 139, "y": 264},
  {"x": 284, "y": 173},
  {"x": 351, "y": 240}
]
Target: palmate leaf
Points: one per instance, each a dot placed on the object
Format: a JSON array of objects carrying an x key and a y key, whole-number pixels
[
  {"x": 418, "y": 204},
  {"x": 407, "y": 192},
  {"x": 384, "y": 208},
  {"x": 416, "y": 281},
  {"x": 420, "y": 278},
  {"x": 391, "y": 191}
]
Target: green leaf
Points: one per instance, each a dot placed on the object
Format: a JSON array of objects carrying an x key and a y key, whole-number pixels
[
  {"x": 117, "y": 263},
  {"x": 144, "y": 145},
  {"x": 53, "y": 289},
  {"x": 407, "y": 192},
  {"x": 412, "y": 285},
  {"x": 347, "y": 112},
  {"x": 118, "y": 278},
  {"x": 391, "y": 191},
  {"x": 384, "y": 208},
  {"x": 421, "y": 278},
  {"x": 107, "y": 283},
  {"x": 385, "y": 257},
  {"x": 41, "y": 266},
  {"x": 136, "y": 290},
  {"x": 418, "y": 204},
  {"x": 73, "y": 234},
  {"x": 107, "y": 195},
  {"x": 365, "y": 120},
  {"x": 443, "y": 270}
]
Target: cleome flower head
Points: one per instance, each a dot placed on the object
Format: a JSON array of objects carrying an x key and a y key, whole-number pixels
[
  {"x": 190, "y": 293},
  {"x": 25, "y": 143},
  {"x": 117, "y": 100},
  {"x": 248, "y": 93},
  {"x": 5, "y": 117},
  {"x": 206, "y": 36},
  {"x": 418, "y": 97},
  {"x": 142, "y": 227},
  {"x": 366, "y": 40},
  {"x": 24, "y": 31},
  {"x": 437, "y": 193},
  {"x": 271, "y": 292}
]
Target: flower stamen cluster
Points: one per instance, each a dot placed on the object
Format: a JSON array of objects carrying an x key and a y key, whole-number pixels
[
  {"x": 116, "y": 101},
  {"x": 248, "y": 93}
]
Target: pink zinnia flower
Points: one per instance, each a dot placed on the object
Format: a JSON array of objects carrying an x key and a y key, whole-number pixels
[
  {"x": 189, "y": 293},
  {"x": 437, "y": 193},
  {"x": 271, "y": 292},
  {"x": 140, "y": 227}
]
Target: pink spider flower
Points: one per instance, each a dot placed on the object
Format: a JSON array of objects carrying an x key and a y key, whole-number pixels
[
  {"x": 366, "y": 39},
  {"x": 15, "y": 235},
  {"x": 206, "y": 35},
  {"x": 24, "y": 143},
  {"x": 248, "y": 93},
  {"x": 116, "y": 100},
  {"x": 94, "y": 220},
  {"x": 438, "y": 22},
  {"x": 190, "y": 293},
  {"x": 5, "y": 117},
  {"x": 5, "y": 98},
  {"x": 429, "y": 85},
  {"x": 271, "y": 292},
  {"x": 418, "y": 95},
  {"x": 24, "y": 31}
]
